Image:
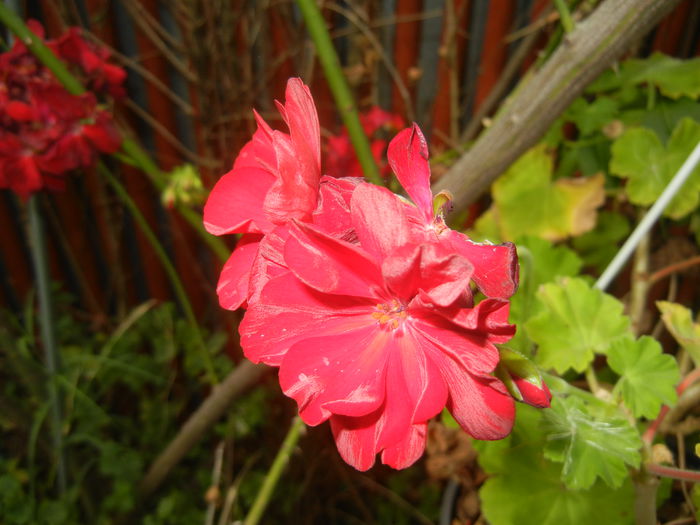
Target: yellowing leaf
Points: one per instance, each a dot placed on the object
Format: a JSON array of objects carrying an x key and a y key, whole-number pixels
[
  {"x": 679, "y": 321},
  {"x": 527, "y": 202},
  {"x": 582, "y": 197}
]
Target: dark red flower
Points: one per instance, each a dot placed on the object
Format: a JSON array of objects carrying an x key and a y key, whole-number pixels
[{"x": 45, "y": 131}]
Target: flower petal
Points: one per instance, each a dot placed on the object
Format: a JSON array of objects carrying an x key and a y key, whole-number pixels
[
  {"x": 232, "y": 288},
  {"x": 407, "y": 451},
  {"x": 339, "y": 373},
  {"x": 234, "y": 205},
  {"x": 443, "y": 275},
  {"x": 355, "y": 439},
  {"x": 332, "y": 213},
  {"x": 294, "y": 193},
  {"x": 379, "y": 219},
  {"x": 440, "y": 339},
  {"x": 302, "y": 120},
  {"x": 495, "y": 265},
  {"x": 480, "y": 404},
  {"x": 330, "y": 265},
  {"x": 408, "y": 157},
  {"x": 288, "y": 311}
]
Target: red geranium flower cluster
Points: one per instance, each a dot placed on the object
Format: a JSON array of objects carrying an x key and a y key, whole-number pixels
[
  {"x": 44, "y": 130},
  {"x": 340, "y": 158},
  {"x": 364, "y": 301}
]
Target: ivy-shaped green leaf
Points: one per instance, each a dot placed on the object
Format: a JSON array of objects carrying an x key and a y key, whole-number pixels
[
  {"x": 679, "y": 321},
  {"x": 525, "y": 488},
  {"x": 591, "y": 442},
  {"x": 639, "y": 156},
  {"x": 647, "y": 375},
  {"x": 575, "y": 321}
]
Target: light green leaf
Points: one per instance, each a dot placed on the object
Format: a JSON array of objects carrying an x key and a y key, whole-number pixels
[
  {"x": 574, "y": 322},
  {"x": 592, "y": 442},
  {"x": 540, "y": 262},
  {"x": 526, "y": 489},
  {"x": 639, "y": 156},
  {"x": 564, "y": 207},
  {"x": 647, "y": 376},
  {"x": 674, "y": 78},
  {"x": 679, "y": 321}
]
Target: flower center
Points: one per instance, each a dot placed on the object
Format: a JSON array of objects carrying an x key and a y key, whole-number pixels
[{"x": 390, "y": 314}]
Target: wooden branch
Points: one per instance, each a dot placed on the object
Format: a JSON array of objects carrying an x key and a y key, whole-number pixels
[
  {"x": 244, "y": 376},
  {"x": 543, "y": 95}
]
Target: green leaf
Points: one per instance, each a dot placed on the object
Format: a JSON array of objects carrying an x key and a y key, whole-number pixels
[
  {"x": 592, "y": 442},
  {"x": 679, "y": 321},
  {"x": 598, "y": 246},
  {"x": 540, "y": 262},
  {"x": 647, "y": 376},
  {"x": 590, "y": 118},
  {"x": 574, "y": 322},
  {"x": 525, "y": 488},
  {"x": 674, "y": 78},
  {"x": 639, "y": 156},
  {"x": 564, "y": 207}
]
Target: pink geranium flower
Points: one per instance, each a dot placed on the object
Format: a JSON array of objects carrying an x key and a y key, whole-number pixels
[{"x": 378, "y": 336}]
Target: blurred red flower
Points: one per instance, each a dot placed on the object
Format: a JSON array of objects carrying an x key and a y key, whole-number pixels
[
  {"x": 45, "y": 131},
  {"x": 340, "y": 158}
]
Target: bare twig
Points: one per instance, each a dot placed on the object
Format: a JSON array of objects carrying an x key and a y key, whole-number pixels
[
  {"x": 236, "y": 383},
  {"x": 541, "y": 97}
]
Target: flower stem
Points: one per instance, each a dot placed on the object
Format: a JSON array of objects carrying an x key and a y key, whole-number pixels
[
  {"x": 131, "y": 153},
  {"x": 673, "y": 472},
  {"x": 339, "y": 87},
  {"x": 273, "y": 475},
  {"x": 48, "y": 335},
  {"x": 167, "y": 266}
]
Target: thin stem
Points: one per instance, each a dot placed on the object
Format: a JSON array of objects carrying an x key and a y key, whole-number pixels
[
  {"x": 653, "y": 428},
  {"x": 136, "y": 156},
  {"x": 649, "y": 219},
  {"x": 167, "y": 266},
  {"x": 48, "y": 335},
  {"x": 592, "y": 380},
  {"x": 273, "y": 475},
  {"x": 673, "y": 268},
  {"x": 564, "y": 15},
  {"x": 339, "y": 87},
  {"x": 131, "y": 152},
  {"x": 673, "y": 472},
  {"x": 640, "y": 286}
]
